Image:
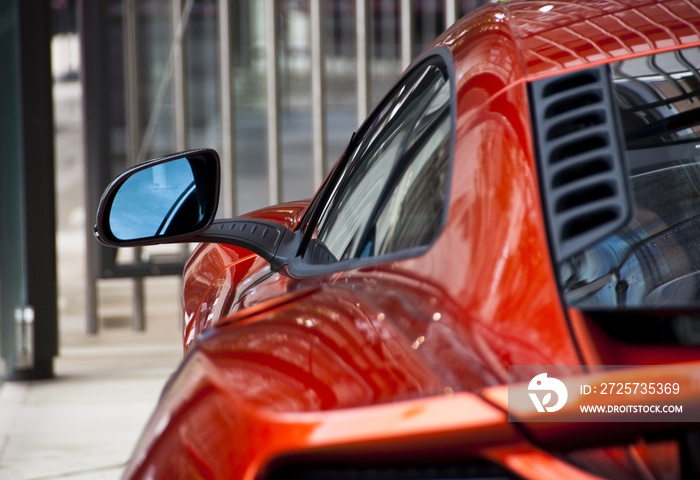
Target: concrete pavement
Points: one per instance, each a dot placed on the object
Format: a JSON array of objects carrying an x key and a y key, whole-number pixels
[{"x": 84, "y": 423}]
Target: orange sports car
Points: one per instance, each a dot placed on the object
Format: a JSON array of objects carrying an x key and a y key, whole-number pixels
[{"x": 500, "y": 278}]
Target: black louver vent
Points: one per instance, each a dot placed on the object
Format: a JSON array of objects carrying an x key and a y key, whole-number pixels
[{"x": 583, "y": 178}]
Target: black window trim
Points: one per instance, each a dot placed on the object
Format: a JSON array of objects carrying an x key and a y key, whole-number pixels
[{"x": 440, "y": 57}]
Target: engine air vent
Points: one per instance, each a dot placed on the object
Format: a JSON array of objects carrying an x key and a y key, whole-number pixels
[{"x": 580, "y": 158}]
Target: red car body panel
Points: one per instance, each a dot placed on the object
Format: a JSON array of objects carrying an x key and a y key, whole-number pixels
[
  {"x": 215, "y": 272},
  {"x": 586, "y": 33},
  {"x": 289, "y": 369}
]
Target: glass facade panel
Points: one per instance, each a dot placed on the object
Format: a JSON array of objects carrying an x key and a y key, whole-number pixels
[{"x": 12, "y": 268}]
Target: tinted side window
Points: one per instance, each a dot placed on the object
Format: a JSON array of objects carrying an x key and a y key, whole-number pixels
[
  {"x": 392, "y": 193},
  {"x": 412, "y": 216}
]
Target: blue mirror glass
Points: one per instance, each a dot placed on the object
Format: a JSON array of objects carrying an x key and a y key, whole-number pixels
[{"x": 161, "y": 200}]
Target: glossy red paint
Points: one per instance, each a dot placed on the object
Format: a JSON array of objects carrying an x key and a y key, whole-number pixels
[
  {"x": 409, "y": 358},
  {"x": 215, "y": 272},
  {"x": 565, "y": 35}
]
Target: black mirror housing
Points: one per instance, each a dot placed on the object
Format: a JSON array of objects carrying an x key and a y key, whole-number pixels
[
  {"x": 174, "y": 199},
  {"x": 167, "y": 200}
]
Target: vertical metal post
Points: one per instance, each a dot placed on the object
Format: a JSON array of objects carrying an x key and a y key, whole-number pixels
[
  {"x": 228, "y": 120},
  {"x": 450, "y": 13},
  {"x": 179, "y": 80},
  {"x": 93, "y": 25},
  {"x": 131, "y": 80},
  {"x": 362, "y": 42},
  {"x": 179, "y": 54},
  {"x": 273, "y": 104},
  {"x": 138, "y": 323},
  {"x": 318, "y": 95},
  {"x": 133, "y": 127},
  {"x": 406, "y": 32}
]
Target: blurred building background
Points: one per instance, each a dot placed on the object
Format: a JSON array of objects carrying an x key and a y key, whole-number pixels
[{"x": 276, "y": 86}]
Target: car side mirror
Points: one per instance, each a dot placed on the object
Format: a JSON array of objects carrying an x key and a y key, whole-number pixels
[
  {"x": 174, "y": 199},
  {"x": 166, "y": 200}
]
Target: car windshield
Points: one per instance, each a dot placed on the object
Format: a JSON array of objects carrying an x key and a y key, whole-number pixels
[{"x": 654, "y": 261}]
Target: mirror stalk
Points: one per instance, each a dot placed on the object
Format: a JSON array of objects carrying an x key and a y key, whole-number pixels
[{"x": 271, "y": 241}]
